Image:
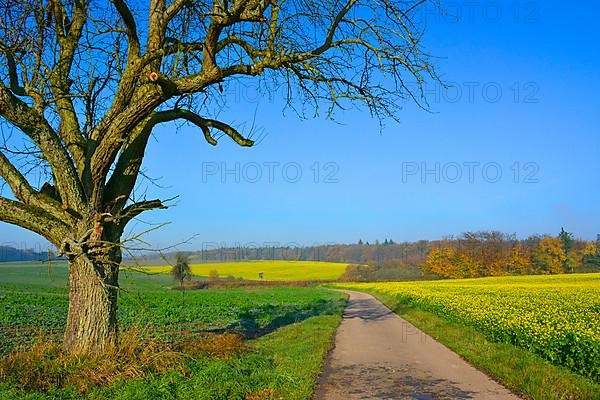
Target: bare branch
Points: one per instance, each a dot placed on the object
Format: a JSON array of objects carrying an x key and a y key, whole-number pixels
[
  {"x": 68, "y": 37},
  {"x": 207, "y": 124},
  {"x": 174, "y": 8},
  {"x": 123, "y": 178},
  {"x": 39, "y": 130},
  {"x": 157, "y": 28},
  {"x": 131, "y": 27},
  {"x": 132, "y": 211},
  {"x": 12, "y": 72},
  {"x": 33, "y": 219},
  {"x": 23, "y": 191}
]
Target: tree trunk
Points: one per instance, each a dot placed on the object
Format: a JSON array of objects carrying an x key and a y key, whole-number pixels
[{"x": 92, "y": 318}]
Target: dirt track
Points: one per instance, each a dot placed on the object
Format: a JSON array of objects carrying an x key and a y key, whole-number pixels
[{"x": 379, "y": 355}]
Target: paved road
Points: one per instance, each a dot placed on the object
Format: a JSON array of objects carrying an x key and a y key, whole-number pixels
[{"x": 379, "y": 355}]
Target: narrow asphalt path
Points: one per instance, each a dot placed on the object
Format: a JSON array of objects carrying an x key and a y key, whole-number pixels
[{"x": 379, "y": 355}]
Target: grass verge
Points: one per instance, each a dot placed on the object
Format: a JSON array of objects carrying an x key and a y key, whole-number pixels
[
  {"x": 525, "y": 373},
  {"x": 281, "y": 365}
]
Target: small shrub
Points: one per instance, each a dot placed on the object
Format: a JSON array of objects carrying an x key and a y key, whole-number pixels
[{"x": 213, "y": 275}]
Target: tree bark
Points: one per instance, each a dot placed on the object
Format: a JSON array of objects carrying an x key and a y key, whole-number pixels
[{"x": 92, "y": 317}]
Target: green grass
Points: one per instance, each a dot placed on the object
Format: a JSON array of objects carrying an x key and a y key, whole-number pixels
[
  {"x": 281, "y": 365},
  {"x": 294, "y": 328},
  {"x": 273, "y": 270}
]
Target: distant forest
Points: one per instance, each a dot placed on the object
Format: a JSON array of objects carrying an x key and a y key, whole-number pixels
[
  {"x": 471, "y": 254},
  {"x": 360, "y": 253},
  {"x": 13, "y": 254}
]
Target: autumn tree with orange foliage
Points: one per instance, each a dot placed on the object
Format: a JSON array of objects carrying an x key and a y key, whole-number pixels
[
  {"x": 550, "y": 257},
  {"x": 491, "y": 253},
  {"x": 520, "y": 260},
  {"x": 450, "y": 263}
]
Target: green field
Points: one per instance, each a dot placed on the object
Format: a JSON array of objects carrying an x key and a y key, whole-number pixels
[
  {"x": 555, "y": 317},
  {"x": 272, "y": 270},
  {"x": 288, "y": 329}
]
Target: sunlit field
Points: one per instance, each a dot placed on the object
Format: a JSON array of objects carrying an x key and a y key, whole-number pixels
[
  {"x": 271, "y": 270},
  {"x": 249, "y": 339},
  {"x": 556, "y": 317}
]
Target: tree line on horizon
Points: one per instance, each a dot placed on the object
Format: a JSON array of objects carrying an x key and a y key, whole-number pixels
[{"x": 471, "y": 254}]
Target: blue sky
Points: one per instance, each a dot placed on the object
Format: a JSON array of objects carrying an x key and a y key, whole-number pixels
[{"x": 545, "y": 124}]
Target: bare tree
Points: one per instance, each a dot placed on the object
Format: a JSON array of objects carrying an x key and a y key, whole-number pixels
[{"x": 84, "y": 83}]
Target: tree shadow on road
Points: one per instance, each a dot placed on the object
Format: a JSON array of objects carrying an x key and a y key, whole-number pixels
[
  {"x": 367, "y": 309},
  {"x": 386, "y": 382}
]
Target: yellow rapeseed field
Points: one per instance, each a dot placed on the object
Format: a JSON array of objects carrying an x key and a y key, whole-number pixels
[
  {"x": 557, "y": 317},
  {"x": 272, "y": 270}
]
